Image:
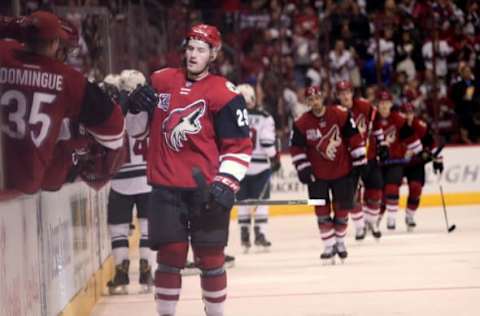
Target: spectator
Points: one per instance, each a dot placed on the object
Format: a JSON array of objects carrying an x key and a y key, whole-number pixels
[
  {"x": 466, "y": 97},
  {"x": 341, "y": 62},
  {"x": 442, "y": 52}
]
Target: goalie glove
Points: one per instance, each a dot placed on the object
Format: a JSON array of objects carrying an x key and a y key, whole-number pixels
[{"x": 143, "y": 98}]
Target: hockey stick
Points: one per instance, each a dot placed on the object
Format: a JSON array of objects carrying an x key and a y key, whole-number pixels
[
  {"x": 313, "y": 202},
  {"x": 403, "y": 161},
  {"x": 449, "y": 228}
]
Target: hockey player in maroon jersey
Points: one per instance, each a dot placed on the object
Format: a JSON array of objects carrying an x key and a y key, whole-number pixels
[
  {"x": 325, "y": 147},
  {"x": 200, "y": 123},
  {"x": 365, "y": 117},
  {"x": 41, "y": 96},
  {"x": 403, "y": 145},
  {"x": 415, "y": 170}
]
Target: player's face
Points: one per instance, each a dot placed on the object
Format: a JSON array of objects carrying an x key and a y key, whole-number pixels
[
  {"x": 198, "y": 57},
  {"x": 384, "y": 108},
  {"x": 345, "y": 97},
  {"x": 315, "y": 102}
]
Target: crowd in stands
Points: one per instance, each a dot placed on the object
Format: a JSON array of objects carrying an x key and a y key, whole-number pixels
[{"x": 282, "y": 47}]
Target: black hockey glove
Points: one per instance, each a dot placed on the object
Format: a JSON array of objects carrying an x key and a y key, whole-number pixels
[
  {"x": 438, "y": 165},
  {"x": 382, "y": 152},
  {"x": 222, "y": 193},
  {"x": 275, "y": 164},
  {"x": 306, "y": 175},
  {"x": 143, "y": 98}
]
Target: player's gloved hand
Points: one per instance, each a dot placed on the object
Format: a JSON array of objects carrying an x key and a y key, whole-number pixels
[
  {"x": 275, "y": 164},
  {"x": 306, "y": 175},
  {"x": 222, "y": 193},
  {"x": 438, "y": 165},
  {"x": 382, "y": 152},
  {"x": 425, "y": 156},
  {"x": 143, "y": 98}
]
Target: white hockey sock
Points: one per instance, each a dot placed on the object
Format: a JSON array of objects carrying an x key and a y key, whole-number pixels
[
  {"x": 244, "y": 216},
  {"x": 410, "y": 213},
  {"x": 391, "y": 211},
  {"x": 119, "y": 236},
  {"x": 261, "y": 218},
  {"x": 144, "y": 245}
]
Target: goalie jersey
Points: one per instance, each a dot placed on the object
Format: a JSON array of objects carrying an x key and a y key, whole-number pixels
[
  {"x": 262, "y": 133},
  {"x": 131, "y": 179}
]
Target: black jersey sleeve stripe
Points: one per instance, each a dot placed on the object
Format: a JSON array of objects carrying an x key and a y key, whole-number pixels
[
  {"x": 96, "y": 107},
  {"x": 232, "y": 120}
]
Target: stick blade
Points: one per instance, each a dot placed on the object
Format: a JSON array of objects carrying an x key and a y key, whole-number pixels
[{"x": 452, "y": 228}]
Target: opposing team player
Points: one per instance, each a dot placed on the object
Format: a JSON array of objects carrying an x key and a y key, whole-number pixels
[
  {"x": 415, "y": 169},
  {"x": 129, "y": 189},
  {"x": 41, "y": 96},
  {"x": 365, "y": 117},
  {"x": 256, "y": 184},
  {"x": 403, "y": 145},
  {"x": 200, "y": 123},
  {"x": 325, "y": 146}
]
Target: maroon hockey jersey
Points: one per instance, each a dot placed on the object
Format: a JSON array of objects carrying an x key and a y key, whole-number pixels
[
  {"x": 329, "y": 144},
  {"x": 399, "y": 136},
  {"x": 37, "y": 94},
  {"x": 200, "y": 124},
  {"x": 365, "y": 116}
]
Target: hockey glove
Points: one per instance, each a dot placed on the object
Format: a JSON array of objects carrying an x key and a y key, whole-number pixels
[
  {"x": 275, "y": 163},
  {"x": 438, "y": 165},
  {"x": 306, "y": 175},
  {"x": 222, "y": 193},
  {"x": 382, "y": 152},
  {"x": 143, "y": 98}
]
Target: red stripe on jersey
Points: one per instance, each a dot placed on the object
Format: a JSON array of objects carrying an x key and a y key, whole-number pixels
[{"x": 113, "y": 126}]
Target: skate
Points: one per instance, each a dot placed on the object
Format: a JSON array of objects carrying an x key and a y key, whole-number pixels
[
  {"x": 245, "y": 239},
  {"x": 391, "y": 223},
  {"x": 190, "y": 269},
  {"x": 376, "y": 233},
  {"x": 341, "y": 251},
  {"x": 410, "y": 222},
  {"x": 229, "y": 262},
  {"x": 145, "y": 278},
  {"x": 328, "y": 255},
  {"x": 360, "y": 234},
  {"x": 261, "y": 240},
  {"x": 118, "y": 285}
]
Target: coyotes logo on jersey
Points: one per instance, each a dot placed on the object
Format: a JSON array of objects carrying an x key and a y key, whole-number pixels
[
  {"x": 329, "y": 143},
  {"x": 390, "y": 135},
  {"x": 183, "y": 121},
  {"x": 361, "y": 123}
]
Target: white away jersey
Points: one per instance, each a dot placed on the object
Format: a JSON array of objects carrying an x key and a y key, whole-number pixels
[
  {"x": 132, "y": 178},
  {"x": 262, "y": 133}
]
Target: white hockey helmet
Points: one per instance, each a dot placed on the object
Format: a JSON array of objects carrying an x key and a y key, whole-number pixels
[
  {"x": 130, "y": 79},
  {"x": 248, "y": 93}
]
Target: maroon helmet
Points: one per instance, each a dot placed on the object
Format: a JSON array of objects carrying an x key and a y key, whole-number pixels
[
  {"x": 72, "y": 33},
  {"x": 343, "y": 85},
  {"x": 313, "y": 90},
  {"x": 206, "y": 33},
  {"x": 46, "y": 26},
  {"x": 407, "y": 107},
  {"x": 384, "y": 95}
]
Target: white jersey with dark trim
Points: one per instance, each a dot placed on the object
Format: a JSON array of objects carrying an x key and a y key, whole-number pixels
[
  {"x": 262, "y": 132},
  {"x": 132, "y": 177}
]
